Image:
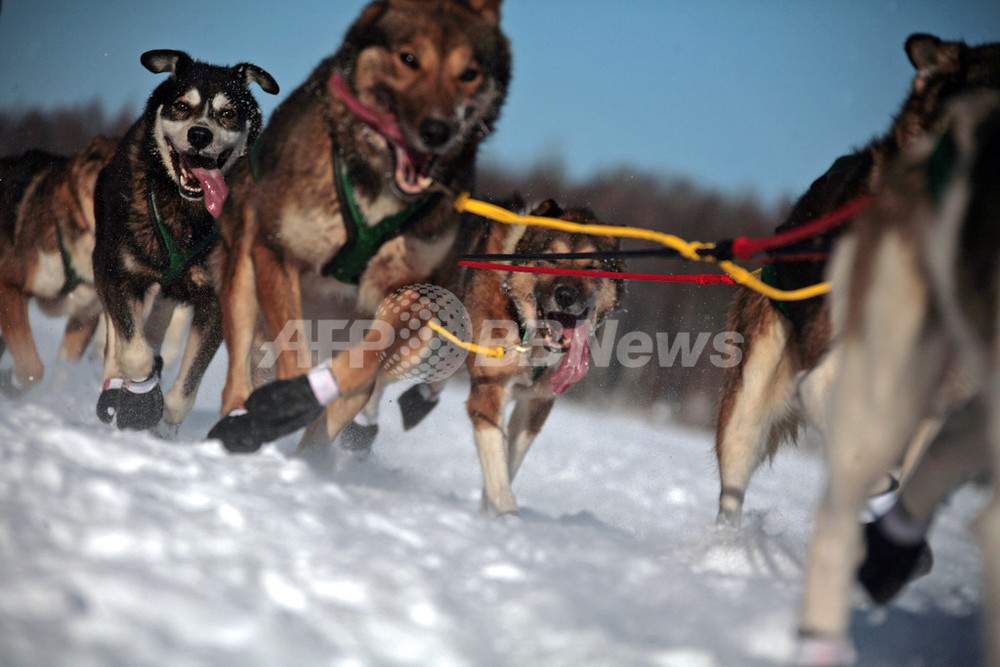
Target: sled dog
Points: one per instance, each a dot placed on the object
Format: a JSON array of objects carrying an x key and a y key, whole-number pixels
[
  {"x": 343, "y": 187},
  {"x": 778, "y": 385},
  {"x": 915, "y": 296},
  {"x": 155, "y": 207},
  {"x": 532, "y": 332},
  {"x": 543, "y": 321},
  {"x": 552, "y": 315},
  {"x": 46, "y": 240}
]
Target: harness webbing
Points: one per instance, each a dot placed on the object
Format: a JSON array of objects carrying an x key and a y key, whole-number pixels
[
  {"x": 364, "y": 240},
  {"x": 73, "y": 278},
  {"x": 177, "y": 262}
]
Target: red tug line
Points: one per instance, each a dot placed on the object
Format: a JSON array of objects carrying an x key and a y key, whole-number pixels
[{"x": 741, "y": 248}]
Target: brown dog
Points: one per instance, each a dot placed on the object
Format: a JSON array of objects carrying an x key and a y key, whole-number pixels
[
  {"x": 543, "y": 322},
  {"x": 46, "y": 240},
  {"x": 915, "y": 295},
  {"x": 780, "y": 382},
  {"x": 338, "y": 190}
]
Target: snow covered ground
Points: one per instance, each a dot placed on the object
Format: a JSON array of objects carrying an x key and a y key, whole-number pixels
[{"x": 120, "y": 548}]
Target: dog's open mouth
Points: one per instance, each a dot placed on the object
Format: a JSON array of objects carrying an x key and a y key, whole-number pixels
[
  {"x": 411, "y": 173},
  {"x": 201, "y": 177},
  {"x": 562, "y": 332},
  {"x": 412, "y": 169}
]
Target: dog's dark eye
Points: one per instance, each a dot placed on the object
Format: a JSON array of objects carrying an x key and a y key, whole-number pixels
[
  {"x": 180, "y": 106},
  {"x": 469, "y": 74},
  {"x": 228, "y": 113},
  {"x": 409, "y": 59}
]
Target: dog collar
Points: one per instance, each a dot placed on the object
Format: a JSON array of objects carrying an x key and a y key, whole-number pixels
[
  {"x": 177, "y": 262},
  {"x": 363, "y": 239},
  {"x": 73, "y": 278}
]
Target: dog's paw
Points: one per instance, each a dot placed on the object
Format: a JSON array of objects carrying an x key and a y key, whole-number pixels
[
  {"x": 358, "y": 438},
  {"x": 416, "y": 403},
  {"x": 139, "y": 411},
  {"x": 239, "y": 434},
  {"x": 888, "y": 566},
  {"x": 108, "y": 401},
  {"x": 9, "y": 386},
  {"x": 132, "y": 404},
  {"x": 273, "y": 410},
  {"x": 816, "y": 650}
]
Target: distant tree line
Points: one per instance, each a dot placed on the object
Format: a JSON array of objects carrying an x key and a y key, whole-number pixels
[
  {"x": 62, "y": 131},
  {"x": 669, "y": 314}
]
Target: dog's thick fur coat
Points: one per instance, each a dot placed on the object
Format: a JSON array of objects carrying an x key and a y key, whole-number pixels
[
  {"x": 46, "y": 241},
  {"x": 546, "y": 315},
  {"x": 780, "y": 382},
  {"x": 915, "y": 288},
  {"x": 406, "y": 100},
  {"x": 155, "y": 207}
]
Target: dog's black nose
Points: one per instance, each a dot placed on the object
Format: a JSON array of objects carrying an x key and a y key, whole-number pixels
[
  {"x": 199, "y": 137},
  {"x": 566, "y": 296},
  {"x": 434, "y": 132}
]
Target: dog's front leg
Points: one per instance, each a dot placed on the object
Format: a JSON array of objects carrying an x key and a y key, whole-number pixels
[
  {"x": 525, "y": 422},
  {"x": 485, "y": 406},
  {"x": 280, "y": 297},
  {"x": 202, "y": 343},
  {"x": 131, "y": 394},
  {"x": 28, "y": 368},
  {"x": 240, "y": 311}
]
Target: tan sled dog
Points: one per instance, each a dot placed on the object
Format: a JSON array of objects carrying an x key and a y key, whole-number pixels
[
  {"x": 764, "y": 399},
  {"x": 339, "y": 188},
  {"x": 46, "y": 240},
  {"x": 915, "y": 297}
]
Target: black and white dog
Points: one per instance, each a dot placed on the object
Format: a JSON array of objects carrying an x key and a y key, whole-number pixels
[{"x": 155, "y": 209}]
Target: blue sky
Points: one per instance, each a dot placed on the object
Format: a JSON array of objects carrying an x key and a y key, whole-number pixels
[{"x": 755, "y": 96}]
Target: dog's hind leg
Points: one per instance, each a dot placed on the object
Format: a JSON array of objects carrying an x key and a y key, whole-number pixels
[
  {"x": 897, "y": 551},
  {"x": 80, "y": 329},
  {"x": 358, "y": 435},
  {"x": 335, "y": 419},
  {"x": 757, "y": 407},
  {"x": 526, "y": 421},
  {"x": 891, "y": 364},
  {"x": 16, "y": 328}
]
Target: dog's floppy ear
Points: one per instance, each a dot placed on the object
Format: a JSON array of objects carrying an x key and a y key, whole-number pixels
[
  {"x": 251, "y": 73},
  {"x": 932, "y": 56},
  {"x": 548, "y": 209},
  {"x": 165, "y": 60}
]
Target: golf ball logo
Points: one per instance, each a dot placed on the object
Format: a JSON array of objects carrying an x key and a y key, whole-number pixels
[{"x": 421, "y": 354}]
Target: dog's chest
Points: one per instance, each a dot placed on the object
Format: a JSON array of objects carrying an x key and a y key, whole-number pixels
[
  {"x": 50, "y": 274},
  {"x": 315, "y": 233},
  {"x": 47, "y": 277}
]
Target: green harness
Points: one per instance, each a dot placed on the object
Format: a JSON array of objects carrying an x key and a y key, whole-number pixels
[
  {"x": 177, "y": 262},
  {"x": 363, "y": 239},
  {"x": 73, "y": 278}
]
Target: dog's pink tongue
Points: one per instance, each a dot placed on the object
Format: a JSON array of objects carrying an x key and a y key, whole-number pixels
[
  {"x": 213, "y": 184},
  {"x": 574, "y": 365}
]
